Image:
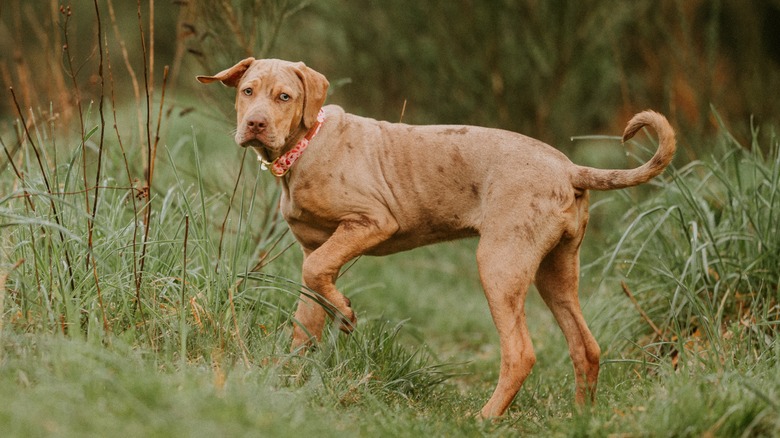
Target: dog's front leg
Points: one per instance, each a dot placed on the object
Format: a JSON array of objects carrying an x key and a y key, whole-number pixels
[
  {"x": 321, "y": 267},
  {"x": 309, "y": 318}
]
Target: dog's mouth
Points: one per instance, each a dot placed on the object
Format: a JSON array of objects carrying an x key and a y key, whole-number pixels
[
  {"x": 260, "y": 148},
  {"x": 253, "y": 143},
  {"x": 252, "y": 140}
]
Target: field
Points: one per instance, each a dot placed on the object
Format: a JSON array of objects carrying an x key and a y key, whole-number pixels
[{"x": 147, "y": 285}]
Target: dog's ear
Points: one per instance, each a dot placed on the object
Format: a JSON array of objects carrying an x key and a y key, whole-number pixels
[
  {"x": 229, "y": 77},
  {"x": 315, "y": 88}
]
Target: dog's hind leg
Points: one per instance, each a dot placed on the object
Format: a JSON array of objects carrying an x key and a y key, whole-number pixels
[
  {"x": 557, "y": 281},
  {"x": 505, "y": 276}
]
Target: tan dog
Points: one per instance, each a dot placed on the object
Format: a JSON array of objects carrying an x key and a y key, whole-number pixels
[{"x": 368, "y": 187}]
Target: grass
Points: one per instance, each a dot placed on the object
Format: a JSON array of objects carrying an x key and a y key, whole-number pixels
[
  {"x": 701, "y": 257},
  {"x": 203, "y": 353},
  {"x": 162, "y": 306}
]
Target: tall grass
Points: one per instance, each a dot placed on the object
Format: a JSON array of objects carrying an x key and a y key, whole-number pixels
[
  {"x": 220, "y": 282},
  {"x": 160, "y": 252},
  {"x": 688, "y": 300},
  {"x": 700, "y": 259}
]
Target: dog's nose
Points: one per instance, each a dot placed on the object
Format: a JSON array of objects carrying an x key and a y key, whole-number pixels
[{"x": 256, "y": 123}]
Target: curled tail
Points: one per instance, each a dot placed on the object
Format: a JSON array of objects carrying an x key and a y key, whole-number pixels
[{"x": 610, "y": 179}]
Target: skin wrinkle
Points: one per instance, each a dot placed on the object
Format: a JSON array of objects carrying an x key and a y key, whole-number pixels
[
  {"x": 535, "y": 207},
  {"x": 528, "y": 233}
]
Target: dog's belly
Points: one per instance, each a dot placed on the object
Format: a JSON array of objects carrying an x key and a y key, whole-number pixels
[
  {"x": 404, "y": 241},
  {"x": 311, "y": 232}
]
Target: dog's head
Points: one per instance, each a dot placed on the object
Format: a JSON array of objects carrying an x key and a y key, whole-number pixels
[{"x": 275, "y": 101}]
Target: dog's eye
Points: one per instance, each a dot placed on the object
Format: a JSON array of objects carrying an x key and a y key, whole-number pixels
[
  {"x": 247, "y": 91},
  {"x": 284, "y": 97}
]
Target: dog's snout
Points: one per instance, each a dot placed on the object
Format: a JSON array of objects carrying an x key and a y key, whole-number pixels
[{"x": 256, "y": 123}]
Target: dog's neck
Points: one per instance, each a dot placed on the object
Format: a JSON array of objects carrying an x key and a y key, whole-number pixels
[{"x": 282, "y": 164}]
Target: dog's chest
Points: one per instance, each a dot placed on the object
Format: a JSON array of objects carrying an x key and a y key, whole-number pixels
[{"x": 309, "y": 218}]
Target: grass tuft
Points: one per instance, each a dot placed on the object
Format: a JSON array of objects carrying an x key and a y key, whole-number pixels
[
  {"x": 372, "y": 360},
  {"x": 700, "y": 258}
]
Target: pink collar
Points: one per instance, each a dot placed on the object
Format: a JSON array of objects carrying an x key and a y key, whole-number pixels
[{"x": 280, "y": 166}]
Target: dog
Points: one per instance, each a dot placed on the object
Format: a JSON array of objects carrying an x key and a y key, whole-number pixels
[{"x": 353, "y": 185}]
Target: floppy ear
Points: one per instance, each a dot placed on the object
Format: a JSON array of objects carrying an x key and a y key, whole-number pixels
[
  {"x": 315, "y": 88},
  {"x": 231, "y": 76}
]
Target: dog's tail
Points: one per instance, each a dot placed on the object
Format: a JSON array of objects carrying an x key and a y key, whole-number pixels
[{"x": 611, "y": 179}]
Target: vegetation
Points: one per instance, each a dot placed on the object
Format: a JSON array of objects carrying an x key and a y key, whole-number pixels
[
  {"x": 712, "y": 235},
  {"x": 147, "y": 279}
]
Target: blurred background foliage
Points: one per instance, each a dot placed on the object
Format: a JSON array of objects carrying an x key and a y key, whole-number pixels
[{"x": 549, "y": 69}]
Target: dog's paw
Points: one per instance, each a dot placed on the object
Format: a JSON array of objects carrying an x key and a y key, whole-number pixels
[
  {"x": 348, "y": 320},
  {"x": 346, "y": 317},
  {"x": 301, "y": 343}
]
